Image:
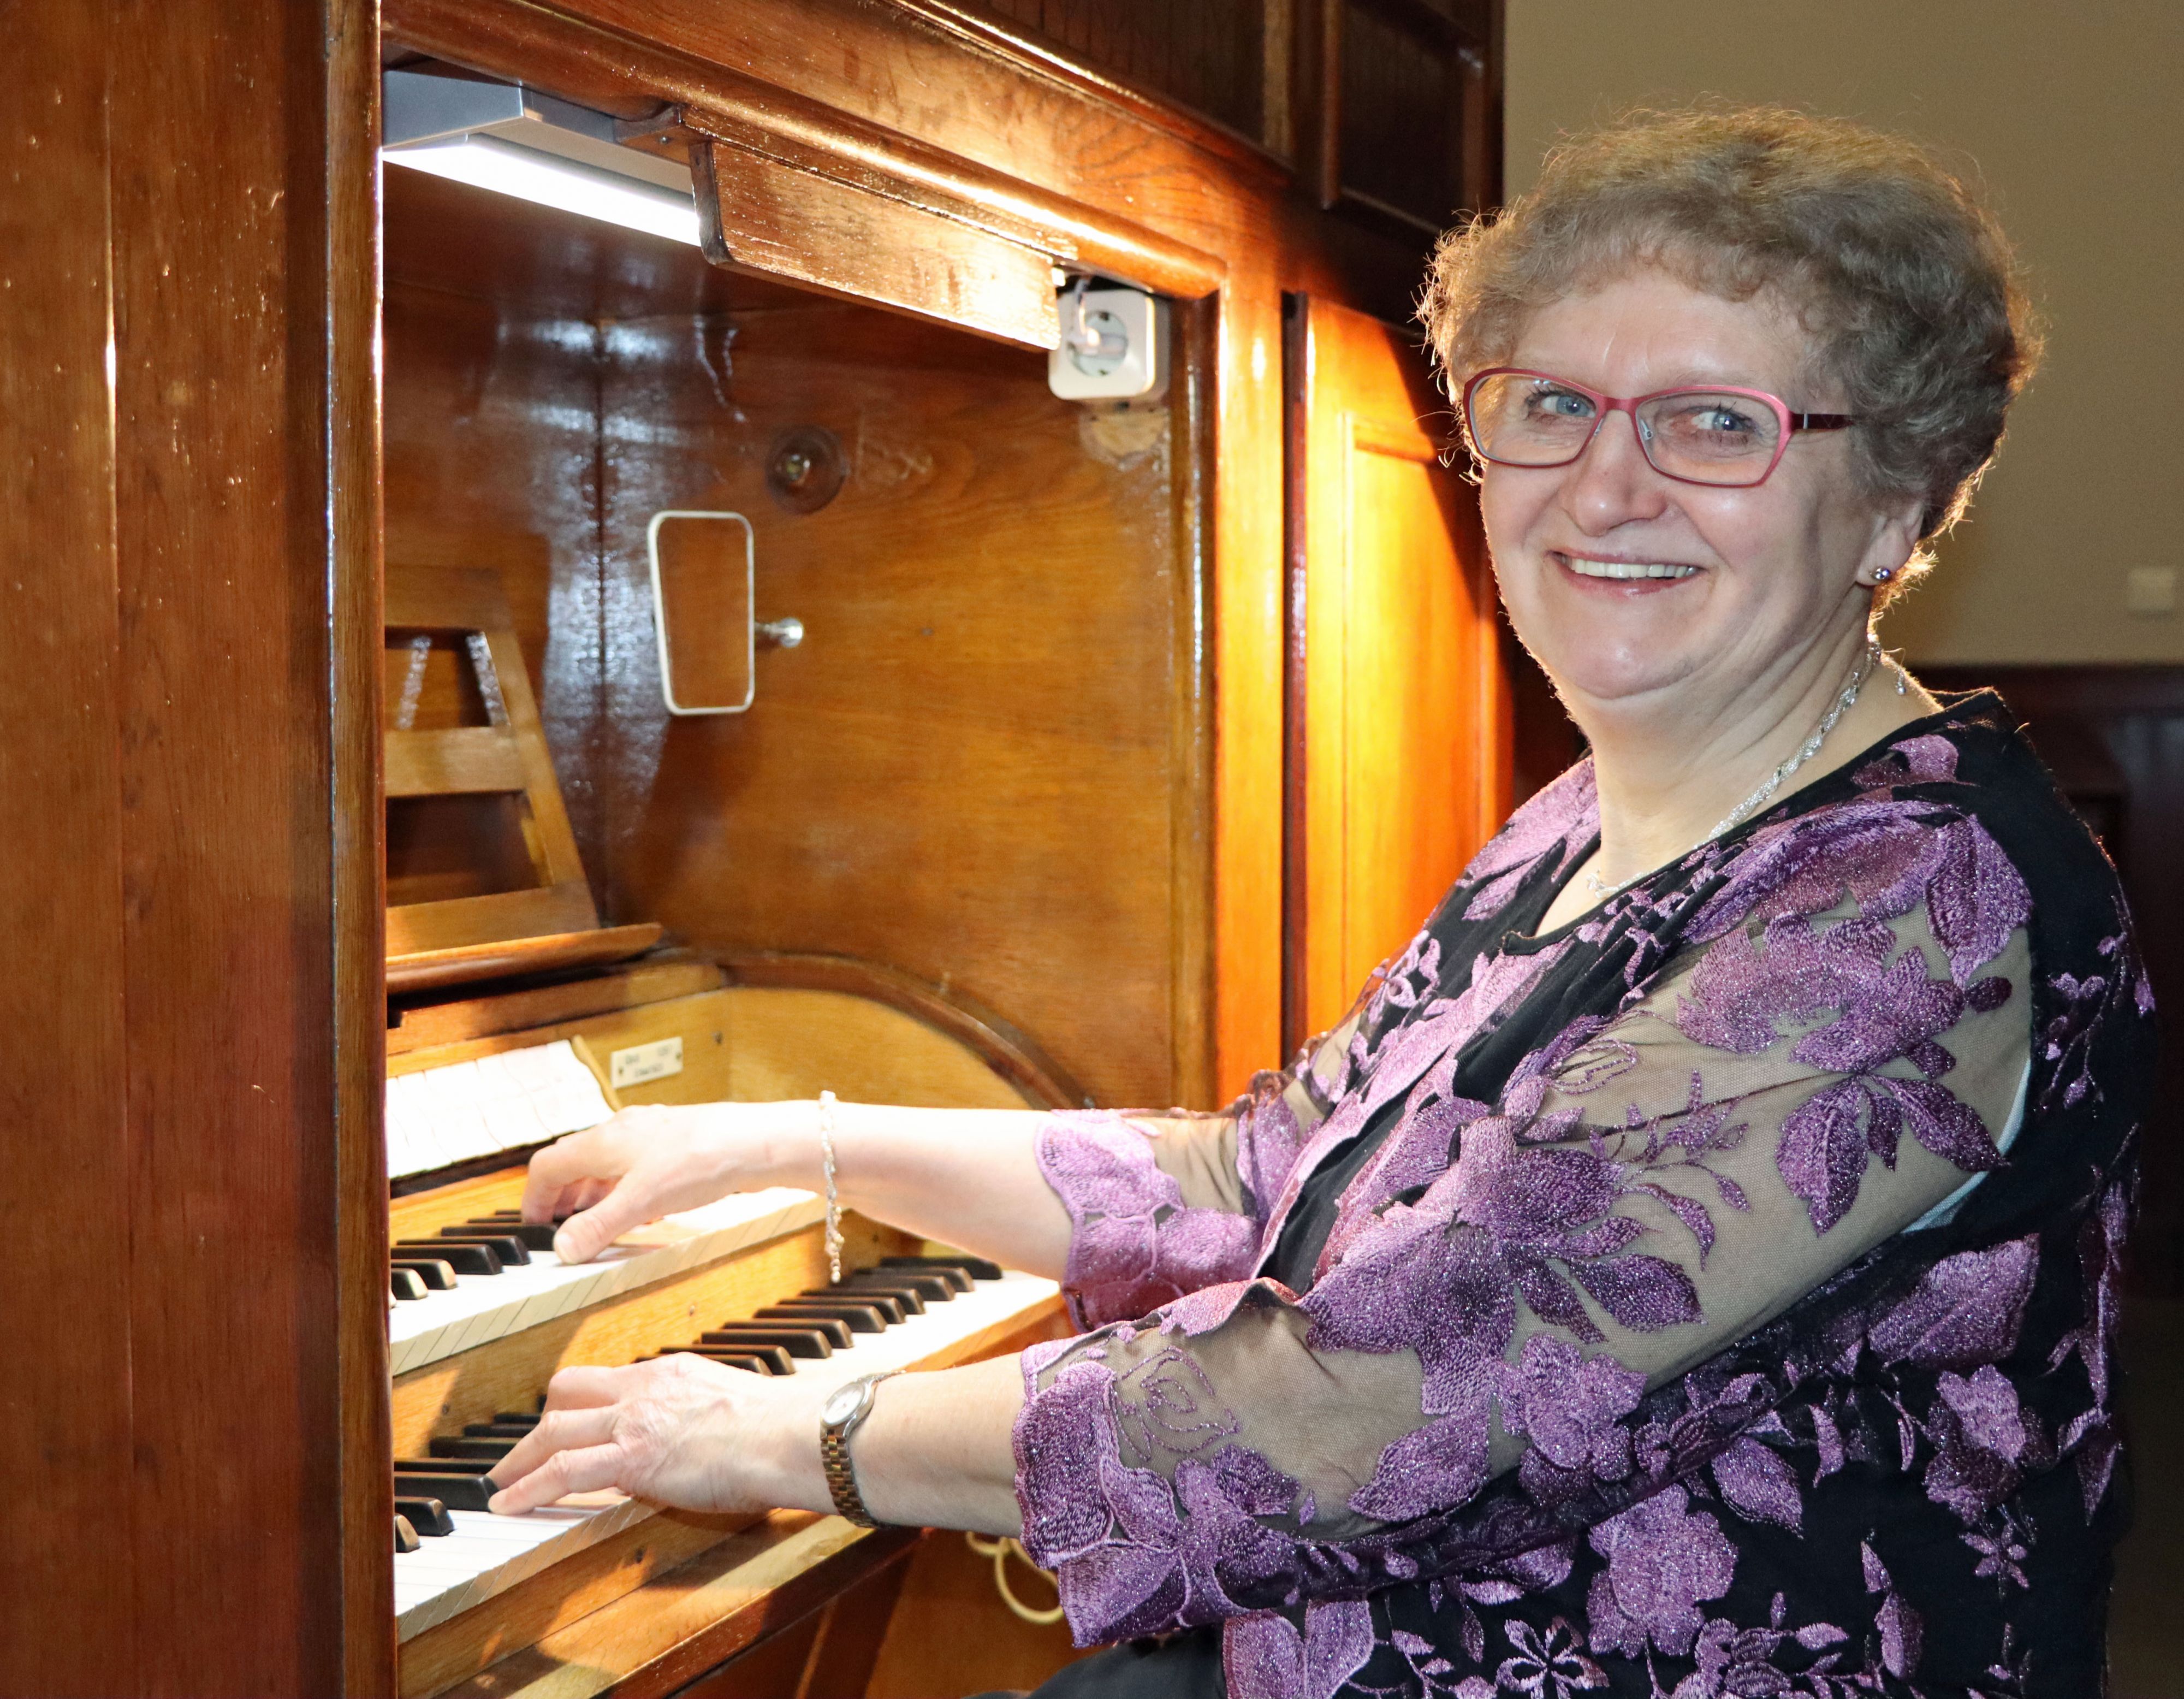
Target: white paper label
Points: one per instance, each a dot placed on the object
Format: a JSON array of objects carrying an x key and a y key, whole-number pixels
[{"x": 643, "y": 1062}]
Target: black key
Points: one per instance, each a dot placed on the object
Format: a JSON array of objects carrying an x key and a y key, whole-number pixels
[
  {"x": 428, "y": 1516},
  {"x": 461, "y": 1446},
  {"x": 535, "y": 1235},
  {"x": 514, "y": 1419},
  {"x": 406, "y": 1284},
  {"x": 799, "y": 1344},
  {"x": 956, "y": 1275},
  {"x": 464, "y": 1259},
  {"x": 440, "y": 1466},
  {"x": 892, "y": 1305},
  {"x": 774, "y": 1362},
  {"x": 859, "y": 1318},
  {"x": 929, "y": 1292},
  {"x": 500, "y": 1219},
  {"x": 506, "y": 1246},
  {"x": 935, "y": 1288},
  {"x": 405, "y": 1537},
  {"x": 497, "y": 1430},
  {"x": 976, "y": 1267},
  {"x": 456, "y": 1492},
  {"x": 909, "y": 1298},
  {"x": 830, "y": 1328},
  {"x": 771, "y": 1353},
  {"x": 437, "y": 1274}
]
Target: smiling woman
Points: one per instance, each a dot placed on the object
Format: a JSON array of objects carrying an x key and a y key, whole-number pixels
[{"x": 1689, "y": 1270}]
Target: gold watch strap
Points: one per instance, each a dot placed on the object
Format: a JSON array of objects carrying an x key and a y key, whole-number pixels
[{"x": 835, "y": 1458}]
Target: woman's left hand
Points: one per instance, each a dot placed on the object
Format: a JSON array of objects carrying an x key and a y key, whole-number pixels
[{"x": 679, "y": 1430}]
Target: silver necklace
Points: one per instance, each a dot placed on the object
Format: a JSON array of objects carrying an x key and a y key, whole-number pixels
[{"x": 1869, "y": 663}]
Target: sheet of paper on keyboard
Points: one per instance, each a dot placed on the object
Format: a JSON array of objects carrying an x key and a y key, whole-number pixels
[{"x": 469, "y": 1110}]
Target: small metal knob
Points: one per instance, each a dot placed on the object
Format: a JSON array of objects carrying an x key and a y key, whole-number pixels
[{"x": 780, "y": 634}]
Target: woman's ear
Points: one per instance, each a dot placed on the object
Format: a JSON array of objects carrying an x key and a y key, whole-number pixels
[{"x": 1892, "y": 542}]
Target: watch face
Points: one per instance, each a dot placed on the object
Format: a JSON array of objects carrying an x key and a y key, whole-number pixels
[{"x": 843, "y": 1404}]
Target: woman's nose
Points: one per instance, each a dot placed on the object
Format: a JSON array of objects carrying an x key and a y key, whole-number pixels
[{"x": 1612, "y": 483}]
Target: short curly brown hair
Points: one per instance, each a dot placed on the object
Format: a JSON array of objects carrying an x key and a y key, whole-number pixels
[{"x": 1913, "y": 295}]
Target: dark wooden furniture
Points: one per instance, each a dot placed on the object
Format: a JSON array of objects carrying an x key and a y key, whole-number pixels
[{"x": 1032, "y": 756}]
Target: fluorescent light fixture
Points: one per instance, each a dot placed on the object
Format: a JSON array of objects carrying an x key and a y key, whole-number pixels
[
  {"x": 487, "y": 162},
  {"x": 517, "y": 141}
]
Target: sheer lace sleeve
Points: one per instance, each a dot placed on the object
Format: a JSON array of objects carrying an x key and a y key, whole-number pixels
[
  {"x": 1781, "y": 1099},
  {"x": 1162, "y": 1205}
]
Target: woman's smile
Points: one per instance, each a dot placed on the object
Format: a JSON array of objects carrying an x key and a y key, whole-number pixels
[{"x": 1627, "y": 577}]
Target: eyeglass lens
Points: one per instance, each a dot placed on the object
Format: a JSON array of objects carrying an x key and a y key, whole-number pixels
[{"x": 1703, "y": 435}]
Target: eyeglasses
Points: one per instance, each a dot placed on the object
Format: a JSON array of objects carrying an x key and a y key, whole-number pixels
[{"x": 1718, "y": 435}]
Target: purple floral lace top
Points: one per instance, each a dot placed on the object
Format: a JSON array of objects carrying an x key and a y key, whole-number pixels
[{"x": 1712, "y": 1297}]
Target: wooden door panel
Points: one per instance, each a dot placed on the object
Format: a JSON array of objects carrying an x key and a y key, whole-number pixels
[{"x": 1399, "y": 758}]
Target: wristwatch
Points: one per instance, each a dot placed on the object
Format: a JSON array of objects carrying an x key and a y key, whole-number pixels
[{"x": 844, "y": 1412}]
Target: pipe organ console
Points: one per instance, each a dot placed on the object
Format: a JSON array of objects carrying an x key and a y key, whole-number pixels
[
  {"x": 481, "y": 1314},
  {"x": 359, "y": 839}
]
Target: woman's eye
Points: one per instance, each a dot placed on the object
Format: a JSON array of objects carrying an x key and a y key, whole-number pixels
[
  {"x": 1559, "y": 404},
  {"x": 1715, "y": 419}
]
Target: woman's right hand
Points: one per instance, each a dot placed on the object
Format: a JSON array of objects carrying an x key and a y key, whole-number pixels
[{"x": 650, "y": 1161}]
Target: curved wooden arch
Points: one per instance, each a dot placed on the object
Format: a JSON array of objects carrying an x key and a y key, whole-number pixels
[{"x": 1012, "y": 1054}]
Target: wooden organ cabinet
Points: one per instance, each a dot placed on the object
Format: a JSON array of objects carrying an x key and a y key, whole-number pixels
[{"x": 353, "y": 848}]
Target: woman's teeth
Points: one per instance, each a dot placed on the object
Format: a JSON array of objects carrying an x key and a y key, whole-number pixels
[{"x": 1626, "y": 569}]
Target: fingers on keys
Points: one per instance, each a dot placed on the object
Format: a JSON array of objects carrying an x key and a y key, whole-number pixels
[
  {"x": 570, "y": 1450},
  {"x": 568, "y": 1163},
  {"x": 586, "y": 1469},
  {"x": 585, "y": 1235}
]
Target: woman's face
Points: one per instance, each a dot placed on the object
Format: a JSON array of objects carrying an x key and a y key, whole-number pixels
[{"x": 1765, "y": 574}]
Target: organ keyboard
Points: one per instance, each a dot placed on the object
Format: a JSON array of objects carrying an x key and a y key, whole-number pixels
[
  {"x": 488, "y": 1604},
  {"x": 484, "y": 1555}
]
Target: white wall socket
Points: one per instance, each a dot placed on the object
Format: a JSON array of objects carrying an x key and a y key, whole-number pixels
[
  {"x": 2150, "y": 590},
  {"x": 1135, "y": 370}
]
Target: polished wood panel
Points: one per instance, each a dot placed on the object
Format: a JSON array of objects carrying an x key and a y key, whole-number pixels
[
  {"x": 1212, "y": 57},
  {"x": 422, "y": 1023},
  {"x": 1401, "y": 727},
  {"x": 755, "y": 212},
  {"x": 842, "y": 1638},
  {"x": 190, "y": 519},
  {"x": 841, "y": 981},
  {"x": 762, "y": 1582},
  {"x": 355, "y": 624},
  {"x": 425, "y": 965},
  {"x": 967, "y": 769},
  {"x": 952, "y": 1634},
  {"x": 62, "y": 918}
]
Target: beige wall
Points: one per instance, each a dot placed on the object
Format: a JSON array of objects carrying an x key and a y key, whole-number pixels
[{"x": 2073, "y": 114}]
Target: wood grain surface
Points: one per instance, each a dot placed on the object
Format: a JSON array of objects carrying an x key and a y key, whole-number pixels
[
  {"x": 1399, "y": 724},
  {"x": 188, "y": 412},
  {"x": 62, "y": 837}
]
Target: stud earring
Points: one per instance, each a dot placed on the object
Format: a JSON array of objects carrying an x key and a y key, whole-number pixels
[{"x": 1882, "y": 574}]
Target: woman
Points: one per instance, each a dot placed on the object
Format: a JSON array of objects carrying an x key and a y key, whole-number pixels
[{"x": 1691, "y": 1269}]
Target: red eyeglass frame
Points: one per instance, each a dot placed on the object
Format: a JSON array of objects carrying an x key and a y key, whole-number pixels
[{"x": 1789, "y": 422}]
